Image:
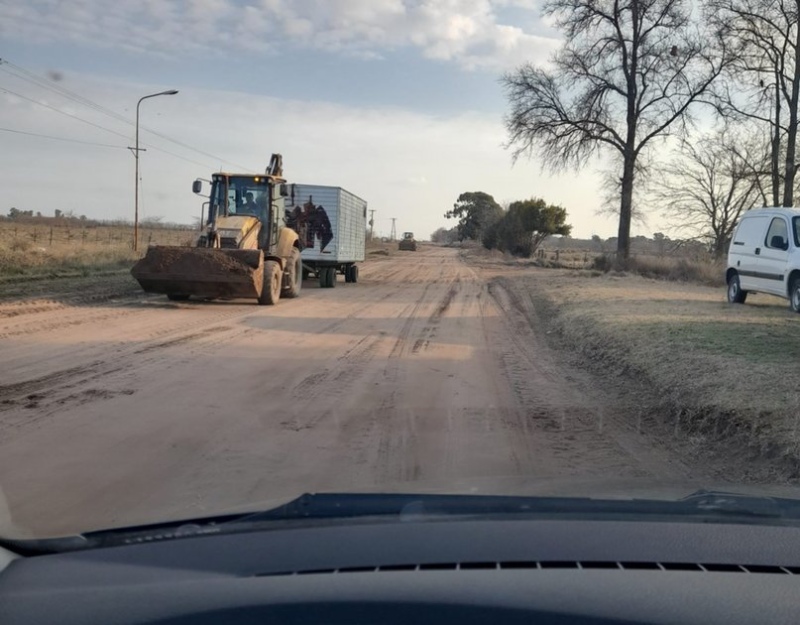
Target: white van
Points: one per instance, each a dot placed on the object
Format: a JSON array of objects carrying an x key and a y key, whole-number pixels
[{"x": 764, "y": 255}]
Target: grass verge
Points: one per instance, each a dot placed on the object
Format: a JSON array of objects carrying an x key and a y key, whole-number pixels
[
  {"x": 725, "y": 375},
  {"x": 21, "y": 260}
]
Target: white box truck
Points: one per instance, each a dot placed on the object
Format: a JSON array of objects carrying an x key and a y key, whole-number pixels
[{"x": 332, "y": 224}]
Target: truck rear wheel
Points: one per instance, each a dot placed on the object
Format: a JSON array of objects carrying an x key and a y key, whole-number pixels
[
  {"x": 327, "y": 277},
  {"x": 351, "y": 273},
  {"x": 271, "y": 291},
  {"x": 295, "y": 271}
]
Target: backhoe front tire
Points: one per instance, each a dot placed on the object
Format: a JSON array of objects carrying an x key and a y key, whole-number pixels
[
  {"x": 294, "y": 267},
  {"x": 271, "y": 291}
]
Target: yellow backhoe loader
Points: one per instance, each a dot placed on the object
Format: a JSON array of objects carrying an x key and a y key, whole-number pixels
[{"x": 244, "y": 250}]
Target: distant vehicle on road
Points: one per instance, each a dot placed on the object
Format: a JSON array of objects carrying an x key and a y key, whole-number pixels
[
  {"x": 764, "y": 256},
  {"x": 408, "y": 243}
]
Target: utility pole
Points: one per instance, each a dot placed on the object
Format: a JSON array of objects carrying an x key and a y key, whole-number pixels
[
  {"x": 136, "y": 151},
  {"x": 393, "y": 234},
  {"x": 371, "y": 224}
]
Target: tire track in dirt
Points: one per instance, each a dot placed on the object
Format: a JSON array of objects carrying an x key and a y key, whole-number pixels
[
  {"x": 585, "y": 424},
  {"x": 398, "y": 453},
  {"x": 422, "y": 373}
]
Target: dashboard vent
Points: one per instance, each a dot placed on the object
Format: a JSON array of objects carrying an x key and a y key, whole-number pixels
[{"x": 551, "y": 564}]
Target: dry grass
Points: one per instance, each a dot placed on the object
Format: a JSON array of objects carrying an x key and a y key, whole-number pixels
[
  {"x": 32, "y": 251},
  {"x": 19, "y": 261},
  {"x": 706, "y": 271},
  {"x": 721, "y": 372}
]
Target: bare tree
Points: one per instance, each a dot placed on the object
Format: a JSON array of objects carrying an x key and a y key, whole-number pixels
[
  {"x": 710, "y": 182},
  {"x": 628, "y": 73},
  {"x": 763, "y": 76}
]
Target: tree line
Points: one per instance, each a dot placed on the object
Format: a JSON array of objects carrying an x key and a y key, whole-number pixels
[
  {"x": 61, "y": 217},
  {"x": 634, "y": 75},
  {"x": 518, "y": 229}
]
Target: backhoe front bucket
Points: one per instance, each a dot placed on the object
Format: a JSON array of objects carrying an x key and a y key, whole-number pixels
[{"x": 200, "y": 271}]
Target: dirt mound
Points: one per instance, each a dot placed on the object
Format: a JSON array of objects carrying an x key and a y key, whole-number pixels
[{"x": 187, "y": 260}]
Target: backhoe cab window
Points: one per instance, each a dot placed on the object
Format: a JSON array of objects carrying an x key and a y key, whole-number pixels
[
  {"x": 247, "y": 196},
  {"x": 240, "y": 196}
]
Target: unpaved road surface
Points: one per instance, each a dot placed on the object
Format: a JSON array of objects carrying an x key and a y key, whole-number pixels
[{"x": 120, "y": 408}]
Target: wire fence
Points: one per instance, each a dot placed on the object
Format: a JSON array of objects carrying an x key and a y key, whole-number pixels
[{"x": 51, "y": 236}]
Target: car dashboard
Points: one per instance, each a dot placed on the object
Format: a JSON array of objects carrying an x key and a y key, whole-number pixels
[{"x": 417, "y": 571}]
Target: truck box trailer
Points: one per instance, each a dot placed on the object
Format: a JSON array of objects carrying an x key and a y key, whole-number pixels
[{"x": 332, "y": 224}]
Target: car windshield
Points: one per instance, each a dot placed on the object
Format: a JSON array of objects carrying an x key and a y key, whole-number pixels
[{"x": 500, "y": 249}]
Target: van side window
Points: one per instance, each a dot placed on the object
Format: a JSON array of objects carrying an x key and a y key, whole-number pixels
[
  {"x": 777, "y": 228},
  {"x": 796, "y": 223}
]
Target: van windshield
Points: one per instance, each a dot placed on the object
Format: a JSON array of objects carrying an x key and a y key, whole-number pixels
[{"x": 796, "y": 230}]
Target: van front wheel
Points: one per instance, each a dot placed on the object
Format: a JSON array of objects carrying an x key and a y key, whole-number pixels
[
  {"x": 794, "y": 295},
  {"x": 735, "y": 293}
]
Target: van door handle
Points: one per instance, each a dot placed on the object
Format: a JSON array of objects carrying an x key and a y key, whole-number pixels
[{"x": 758, "y": 251}]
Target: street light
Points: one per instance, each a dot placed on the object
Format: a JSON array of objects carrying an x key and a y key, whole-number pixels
[{"x": 136, "y": 155}]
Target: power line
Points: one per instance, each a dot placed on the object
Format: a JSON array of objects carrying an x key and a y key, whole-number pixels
[
  {"x": 53, "y": 108},
  {"x": 114, "y": 132},
  {"x": 63, "y": 91},
  {"x": 34, "y": 134},
  {"x": 76, "y": 97}
]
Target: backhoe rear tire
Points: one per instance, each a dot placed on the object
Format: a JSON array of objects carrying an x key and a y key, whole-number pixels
[
  {"x": 294, "y": 267},
  {"x": 271, "y": 292}
]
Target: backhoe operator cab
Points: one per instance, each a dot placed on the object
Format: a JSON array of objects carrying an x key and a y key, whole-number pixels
[{"x": 236, "y": 195}]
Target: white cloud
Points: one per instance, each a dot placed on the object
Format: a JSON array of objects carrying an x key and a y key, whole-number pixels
[
  {"x": 466, "y": 32},
  {"x": 407, "y": 165}
]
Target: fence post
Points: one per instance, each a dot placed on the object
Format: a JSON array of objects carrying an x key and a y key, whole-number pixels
[{"x": 51, "y": 236}]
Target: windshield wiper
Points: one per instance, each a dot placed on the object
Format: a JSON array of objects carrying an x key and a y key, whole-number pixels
[{"x": 701, "y": 506}]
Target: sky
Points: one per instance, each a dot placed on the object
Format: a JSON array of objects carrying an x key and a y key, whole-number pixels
[{"x": 398, "y": 101}]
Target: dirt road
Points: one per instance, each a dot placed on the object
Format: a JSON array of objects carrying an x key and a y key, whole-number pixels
[{"x": 121, "y": 408}]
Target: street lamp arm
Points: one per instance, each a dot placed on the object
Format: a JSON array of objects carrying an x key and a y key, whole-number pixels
[
  {"x": 136, "y": 155},
  {"x": 153, "y": 95}
]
